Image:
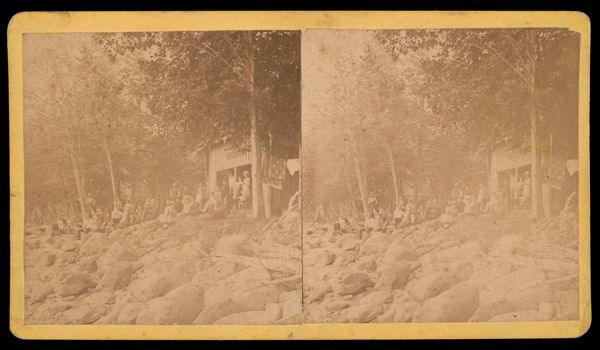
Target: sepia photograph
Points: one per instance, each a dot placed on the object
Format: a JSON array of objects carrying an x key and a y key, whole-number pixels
[
  {"x": 299, "y": 175},
  {"x": 162, "y": 178},
  {"x": 440, "y": 175}
]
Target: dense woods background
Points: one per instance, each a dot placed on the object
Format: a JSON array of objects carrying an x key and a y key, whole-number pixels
[
  {"x": 116, "y": 116},
  {"x": 412, "y": 112}
]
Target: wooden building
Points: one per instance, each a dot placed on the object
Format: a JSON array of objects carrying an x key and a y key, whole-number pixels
[
  {"x": 224, "y": 160},
  {"x": 507, "y": 164}
]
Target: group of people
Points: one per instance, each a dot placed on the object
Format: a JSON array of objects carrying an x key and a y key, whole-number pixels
[
  {"x": 226, "y": 198},
  {"x": 121, "y": 215},
  {"x": 232, "y": 194},
  {"x": 461, "y": 202}
]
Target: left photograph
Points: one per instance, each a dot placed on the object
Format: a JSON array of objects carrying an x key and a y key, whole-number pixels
[{"x": 162, "y": 178}]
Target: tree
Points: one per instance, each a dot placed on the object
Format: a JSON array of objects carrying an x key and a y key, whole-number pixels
[
  {"x": 491, "y": 81},
  {"x": 245, "y": 85}
]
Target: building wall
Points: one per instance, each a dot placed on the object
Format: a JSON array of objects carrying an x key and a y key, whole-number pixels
[
  {"x": 505, "y": 157},
  {"x": 222, "y": 158}
]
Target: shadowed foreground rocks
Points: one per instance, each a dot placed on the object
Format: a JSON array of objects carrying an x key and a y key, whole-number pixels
[
  {"x": 194, "y": 272},
  {"x": 477, "y": 269}
]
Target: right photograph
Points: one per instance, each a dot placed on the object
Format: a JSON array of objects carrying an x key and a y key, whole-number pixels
[{"x": 440, "y": 175}]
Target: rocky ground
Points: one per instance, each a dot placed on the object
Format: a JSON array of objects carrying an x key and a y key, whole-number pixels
[
  {"x": 197, "y": 271},
  {"x": 477, "y": 269}
]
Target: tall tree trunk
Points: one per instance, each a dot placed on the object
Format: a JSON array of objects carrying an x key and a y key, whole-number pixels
[
  {"x": 349, "y": 187},
  {"x": 63, "y": 176},
  {"x": 535, "y": 178},
  {"x": 267, "y": 190},
  {"x": 78, "y": 184},
  {"x": 393, "y": 169},
  {"x": 81, "y": 169},
  {"x": 206, "y": 168},
  {"x": 257, "y": 209},
  {"x": 360, "y": 176},
  {"x": 111, "y": 169}
]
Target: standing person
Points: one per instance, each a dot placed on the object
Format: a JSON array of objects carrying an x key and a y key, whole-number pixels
[
  {"x": 187, "y": 205},
  {"x": 116, "y": 215},
  {"x": 456, "y": 192},
  {"x": 319, "y": 214},
  {"x": 200, "y": 195},
  {"x": 155, "y": 208},
  {"x": 147, "y": 209},
  {"x": 169, "y": 215},
  {"x": 399, "y": 212},
  {"x": 185, "y": 191},
  {"x": 237, "y": 193},
  {"x": 91, "y": 204},
  {"x": 231, "y": 182},
  {"x": 373, "y": 204},
  {"x": 210, "y": 203},
  {"x": 178, "y": 205},
  {"x": 246, "y": 188},
  {"x": 526, "y": 199},
  {"x": 127, "y": 211},
  {"x": 175, "y": 192}
]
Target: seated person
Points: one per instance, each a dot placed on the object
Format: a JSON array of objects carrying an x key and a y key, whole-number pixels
[
  {"x": 190, "y": 207},
  {"x": 169, "y": 215},
  {"x": 210, "y": 204},
  {"x": 460, "y": 204},
  {"x": 469, "y": 205},
  {"x": 178, "y": 205},
  {"x": 127, "y": 211},
  {"x": 399, "y": 214},
  {"x": 115, "y": 216}
]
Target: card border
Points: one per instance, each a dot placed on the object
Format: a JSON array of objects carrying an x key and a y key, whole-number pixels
[{"x": 86, "y": 22}]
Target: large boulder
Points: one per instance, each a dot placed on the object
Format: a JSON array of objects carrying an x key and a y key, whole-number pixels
[
  {"x": 84, "y": 314},
  {"x": 99, "y": 298},
  {"x": 180, "y": 306},
  {"x": 335, "y": 305},
  {"x": 217, "y": 272},
  {"x": 116, "y": 253},
  {"x": 377, "y": 297},
  {"x": 488, "y": 274},
  {"x": 237, "y": 244},
  {"x": 375, "y": 244},
  {"x": 507, "y": 244},
  {"x": 457, "y": 304},
  {"x": 527, "y": 298},
  {"x": 212, "y": 313},
  {"x": 117, "y": 277},
  {"x": 87, "y": 264},
  {"x": 97, "y": 243},
  {"x": 400, "y": 250},
  {"x": 394, "y": 276},
  {"x": 318, "y": 289},
  {"x": 73, "y": 283},
  {"x": 367, "y": 263},
  {"x": 246, "y": 287},
  {"x": 345, "y": 258},
  {"x": 363, "y": 313},
  {"x": 128, "y": 313},
  {"x": 504, "y": 285},
  {"x": 40, "y": 291},
  {"x": 159, "y": 279},
  {"x": 270, "y": 315},
  {"x": 401, "y": 312},
  {"x": 352, "y": 282},
  {"x": 421, "y": 289}
]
